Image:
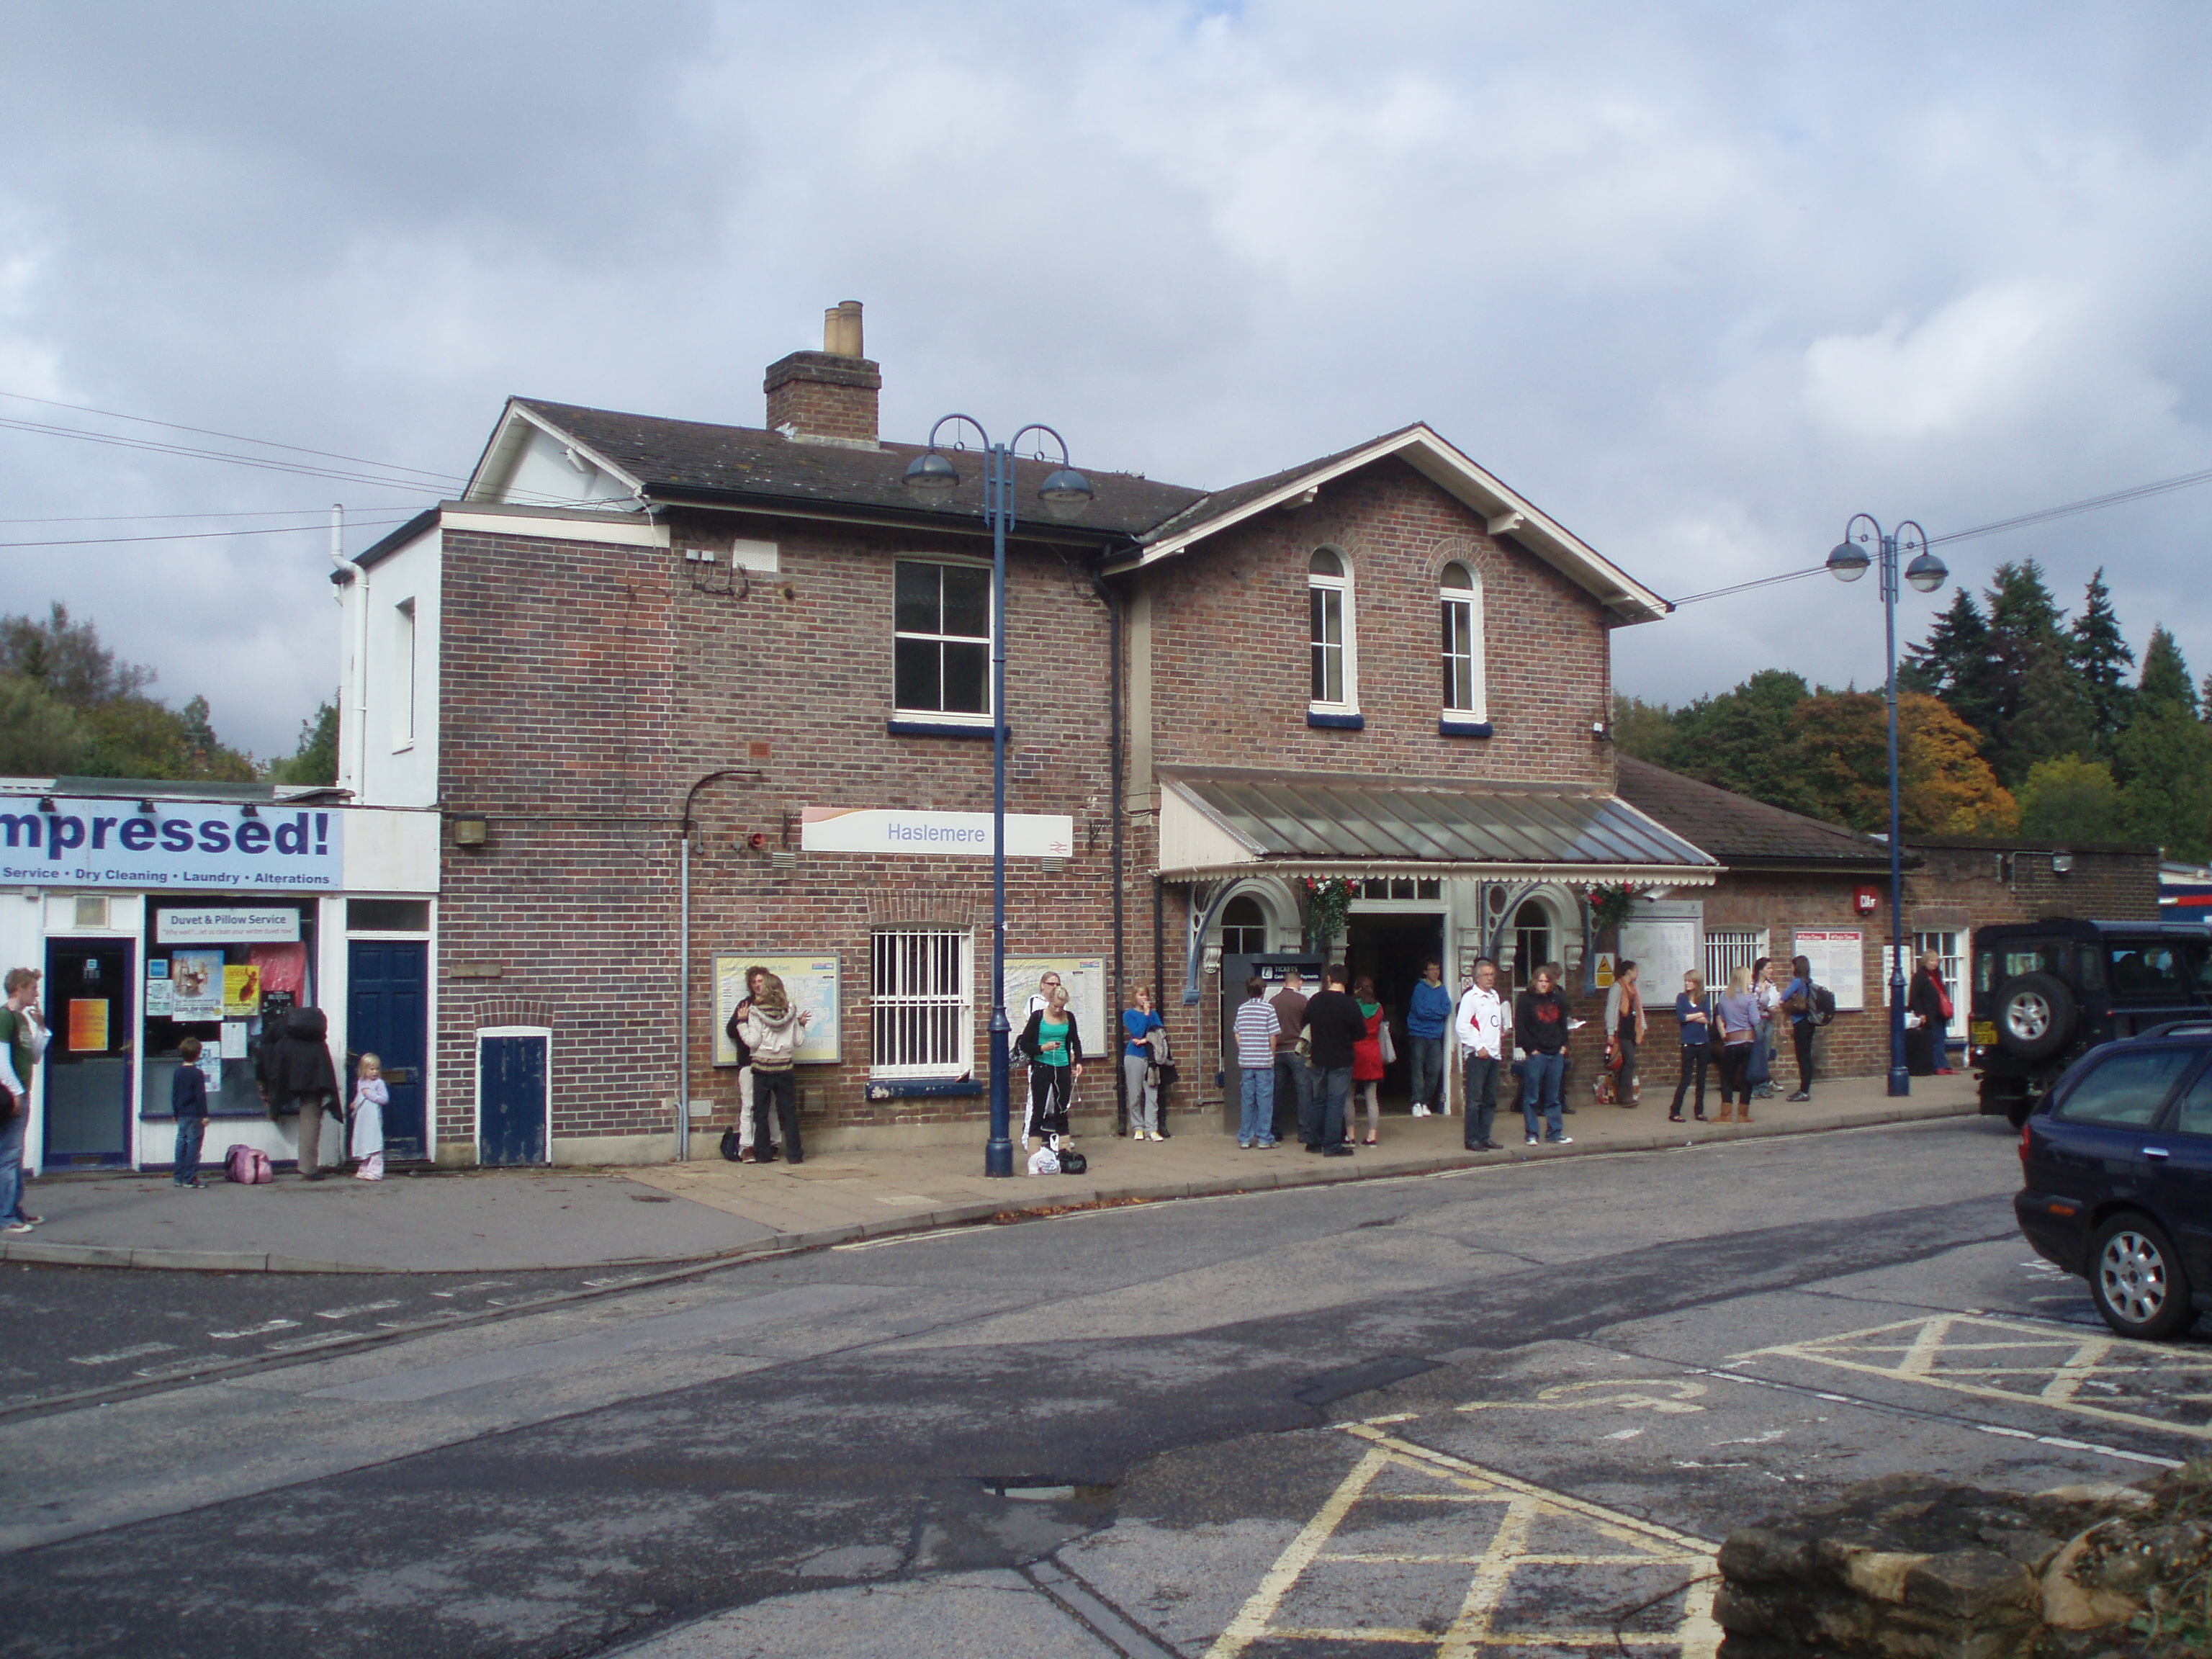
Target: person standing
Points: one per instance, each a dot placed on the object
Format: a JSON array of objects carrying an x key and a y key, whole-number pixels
[
  {"x": 300, "y": 1075},
  {"x": 1695, "y": 1015},
  {"x": 188, "y": 1105},
  {"x": 1481, "y": 1027},
  {"x": 1256, "y": 1028},
  {"x": 1367, "y": 1065},
  {"x": 1539, "y": 1030},
  {"x": 1735, "y": 1012},
  {"x": 1054, "y": 1047},
  {"x": 1040, "y": 1000},
  {"x": 1138, "y": 1025},
  {"x": 772, "y": 1031},
  {"x": 370, "y": 1097},
  {"x": 1928, "y": 1005},
  {"x": 1428, "y": 1011},
  {"x": 1334, "y": 1027},
  {"x": 736, "y": 1029},
  {"x": 1625, "y": 1026},
  {"x": 1797, "y": 1004},
  {"x": 23, "y": 1040},
  {"x": 1769, "y": 996},
  {"x": 1293, "y": 1077}
]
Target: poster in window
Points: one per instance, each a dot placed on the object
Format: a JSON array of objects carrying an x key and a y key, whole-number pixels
[
  {"x": 812, "y": 983},
  {"x": 87, "y": 1025},
  {"x": 196, "y": 985},
  {"x": 241, "y": 991},
  {"x": 1085, "y": 980},
  {"x": 211, "y": 1069},
  {"x": 1838, "y": 955},
  {"x": 159, "y": 993}
]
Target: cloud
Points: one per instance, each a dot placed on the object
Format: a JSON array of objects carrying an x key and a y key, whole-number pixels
[{"x": 1702, "y": 282}]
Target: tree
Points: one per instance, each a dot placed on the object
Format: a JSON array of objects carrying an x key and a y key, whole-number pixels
[
  {"x": 1744, "y": 740},
  {"x": 2055, "y": 716},
  {"x": 2071, "y": 798},
  {"x": 68, "y": 659},
  {"x": 2101, "y": 658},
  {"x": 2165, "y": 756},
  {"x": 1944, "y": 786},
  {"x": 2166, "y": 682},
  {"x": 2024, "y": 620},
  {"x": 40, "y": 735},
  {"x": 316, "y": 759},
  {"x": 1954, "y": 663}
]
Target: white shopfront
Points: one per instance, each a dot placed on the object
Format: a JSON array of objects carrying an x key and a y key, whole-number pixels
[{"x": 155, "y": 914}]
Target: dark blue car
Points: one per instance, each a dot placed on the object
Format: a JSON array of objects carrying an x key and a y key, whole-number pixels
[{"x": 2117, "y": 1177}]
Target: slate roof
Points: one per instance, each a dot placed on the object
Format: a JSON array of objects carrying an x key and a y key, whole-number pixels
[
  {"x": 702, "y": 461},
  {"x": 1743, "y": 832}
]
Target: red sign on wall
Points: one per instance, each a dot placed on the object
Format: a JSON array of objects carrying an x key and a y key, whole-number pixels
[{"x": 1867, "y": 900}]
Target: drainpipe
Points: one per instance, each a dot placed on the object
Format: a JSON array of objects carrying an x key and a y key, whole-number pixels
[
  {"x": 1114, "y": 770},
  {"x": 683, "y": 958},
  {"x": 357, "y": 690}
]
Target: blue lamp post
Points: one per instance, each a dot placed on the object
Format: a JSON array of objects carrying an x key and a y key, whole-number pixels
[
  {"x": 1848, "y": 562},
  {"x": 931, "y": 478}
]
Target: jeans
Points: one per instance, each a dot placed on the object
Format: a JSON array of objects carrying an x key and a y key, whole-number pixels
[
  {"x": 11, "y": 1160},
  {"x": 1143, "y": 1096},
  {"x": 1695, "y": 1057},
  {"x": 1624, "y": 1085},
  {"x": 1762, "y": 1054},
  {"x": 1541, "y": 1076},
  {"x": 1426, "y": 1056},
  {"x": 1256, "y": 1126},
  {"x": 1333, "y": 1086},
  {"x": 1801, "y": 1037},
  {"x": 189, "y": 1133},
  {"x": 1735, "y": 1060},
  {"x": 775, "y": 1093},
  {"x": 1481, "y": 1075},
  {"x": 1294, "y": 1095}
]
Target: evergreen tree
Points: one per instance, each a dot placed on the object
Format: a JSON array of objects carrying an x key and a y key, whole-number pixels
[
  {"x": 2054, "y": 718},
  {"x": 2071, "y": 798},
  {"x": 1954, "y": 663},
  {"x": 316, "y": 759},
  {"x": 2023, "y": 619},
  {"x": 2166, "y": 754},
  {"x": 1744, "y": 740},
  {"x": 68, "y": 659},
  {"x": 40, "y": 736},
  {"x": 2166, "y": 682},
  {"x": 2101, "y": 658}
]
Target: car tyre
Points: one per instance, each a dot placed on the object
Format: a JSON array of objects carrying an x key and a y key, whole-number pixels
[
  {"x": 2137, "y": 1279},
  {"x": 2035, "y": 1016}
]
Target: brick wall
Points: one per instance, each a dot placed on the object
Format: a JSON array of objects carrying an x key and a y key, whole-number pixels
[{"x": 2002, "y": 881}]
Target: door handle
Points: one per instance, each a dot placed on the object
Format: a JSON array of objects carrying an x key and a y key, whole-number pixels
[{"x": 2155, "y": 1152}]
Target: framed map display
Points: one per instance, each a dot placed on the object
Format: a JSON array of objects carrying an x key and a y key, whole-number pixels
[{"x": 813, "y": 983}]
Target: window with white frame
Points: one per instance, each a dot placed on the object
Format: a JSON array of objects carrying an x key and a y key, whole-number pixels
[
  {"x": 921, "y": 1010},
  {"x": 1461, "y": 600},
  {"x": 403, "y": 669},
  {"x": 1728, "y": 949},
  {"x": 941, "y": 642},
  {"x": 1336, "y": 652},
  {"x": 1950, "y": 963}
]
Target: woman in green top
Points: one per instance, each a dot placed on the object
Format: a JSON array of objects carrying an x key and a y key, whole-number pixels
[{"x": 1054, "y": 1050}]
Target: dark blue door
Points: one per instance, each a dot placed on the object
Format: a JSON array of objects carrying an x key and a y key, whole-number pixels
[
  {"x": 511, "y": 1099},
  {"x": 387, "y": 1015}
]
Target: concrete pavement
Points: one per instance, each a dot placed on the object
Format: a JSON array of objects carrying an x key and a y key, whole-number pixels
[{"x": 523, "y": 1220}]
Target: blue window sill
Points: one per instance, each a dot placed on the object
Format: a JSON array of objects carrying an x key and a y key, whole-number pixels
[
  {"x": 1450, "y": 728},
  {"x": 1336, "y": 722},
  {"x": 924, "y": 1088},
  {"x": 898, "y": 728}
]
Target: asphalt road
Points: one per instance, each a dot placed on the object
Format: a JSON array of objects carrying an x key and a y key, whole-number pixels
[{"x": 1524, "y": 1401}]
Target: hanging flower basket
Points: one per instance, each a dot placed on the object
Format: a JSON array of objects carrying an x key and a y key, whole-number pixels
[
  {"x": 1611, "y": 903},
  {"x": 1328, "y": 905}
]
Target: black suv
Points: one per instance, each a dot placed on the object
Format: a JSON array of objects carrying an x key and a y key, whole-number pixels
[
  {"x": 2046, "y": 992},
  {"x": 2116, "y": 1177}
]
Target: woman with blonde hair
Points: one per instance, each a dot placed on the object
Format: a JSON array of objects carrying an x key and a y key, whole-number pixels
[
  {"x": 1735, "y": 1021},
  {"x": 1140, "y": 1023},
  {"x": 1694, "y": 1014}
]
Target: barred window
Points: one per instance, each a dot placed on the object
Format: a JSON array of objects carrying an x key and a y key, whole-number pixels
[
  {"x": 922, "y": 1013},
  {"x": 1730, "y": 949}
]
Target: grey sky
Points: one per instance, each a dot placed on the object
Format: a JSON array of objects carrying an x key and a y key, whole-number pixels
[{"x": 1702, "y": 281}]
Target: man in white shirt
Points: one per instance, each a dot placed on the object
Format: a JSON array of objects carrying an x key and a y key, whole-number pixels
[{"x": 1481, "y": 1026}]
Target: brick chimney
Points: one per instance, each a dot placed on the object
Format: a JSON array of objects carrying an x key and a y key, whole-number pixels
[{"x": 827, "y": 397}]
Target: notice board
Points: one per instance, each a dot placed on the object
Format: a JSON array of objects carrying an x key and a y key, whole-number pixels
[
  {"x": 811, "y": 981},
  {"x": 1085, "y": 980},
  {"x": 1665, "y": 938},
  {"x": 1838, "y": 959}
]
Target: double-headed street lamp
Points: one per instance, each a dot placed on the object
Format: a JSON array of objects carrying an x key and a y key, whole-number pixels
[
  {"x": 1848, "y": 562},
  {"x": 1066, "y": 493}
]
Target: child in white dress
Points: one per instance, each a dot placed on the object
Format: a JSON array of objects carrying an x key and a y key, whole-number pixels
[{"x": 369, "y": 1097}]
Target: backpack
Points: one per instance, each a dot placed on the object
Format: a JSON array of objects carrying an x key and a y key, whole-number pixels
[
  {"x": 1824, "y": 1005},
  {"x": 732, "y": 1146},
  {"x": 1072, "y": 1162},
  {"x": 247, "y": 1166}
]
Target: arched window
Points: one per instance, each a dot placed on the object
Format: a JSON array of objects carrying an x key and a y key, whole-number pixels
[
  {"x": 1532, "y": 942},
  {"x": 1335, "y": 654},
  {"x": 1243, "y": 926},
  {"x": 1461, "y": 599}
]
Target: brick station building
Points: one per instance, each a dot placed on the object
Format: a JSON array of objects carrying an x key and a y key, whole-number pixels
[{"x": 1384, "y": 666}]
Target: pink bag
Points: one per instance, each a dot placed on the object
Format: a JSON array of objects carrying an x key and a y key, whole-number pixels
[{"x": 247, "y": 1166}]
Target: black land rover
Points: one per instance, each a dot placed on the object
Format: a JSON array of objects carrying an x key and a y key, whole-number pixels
[{"x": 2046, "y": 992}]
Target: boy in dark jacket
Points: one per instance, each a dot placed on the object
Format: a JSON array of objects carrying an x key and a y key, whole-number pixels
[
  {"x": 1335, "y": 1025},
  {"x": 1540, "y": 1027},
  {"x": 188, "y": 1101}
]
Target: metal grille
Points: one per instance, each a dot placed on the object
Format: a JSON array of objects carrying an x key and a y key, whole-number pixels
[
  {"x": 921, "y": 1013},
  {"x": 1729, "y": 950}
]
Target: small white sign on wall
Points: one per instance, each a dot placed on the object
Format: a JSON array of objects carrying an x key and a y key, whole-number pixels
[{"x": 896, "y": 830}]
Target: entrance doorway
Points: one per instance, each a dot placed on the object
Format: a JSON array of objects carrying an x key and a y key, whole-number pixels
[
  {"x": 88, "y": 1003},
  {"x": 387, "y": 1015},
  {"x": 515, "y": 1094},
  {"x": 1392, "y": 949}
]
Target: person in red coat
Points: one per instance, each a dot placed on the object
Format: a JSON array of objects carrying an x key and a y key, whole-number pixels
[{"x": 1367, "y": 1060}]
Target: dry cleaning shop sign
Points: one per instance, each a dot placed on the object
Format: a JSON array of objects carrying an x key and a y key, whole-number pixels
[{"x": 71, "y": 842}]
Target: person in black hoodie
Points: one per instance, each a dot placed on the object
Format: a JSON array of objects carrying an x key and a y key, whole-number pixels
[
  {"x": 1333, "y": 1024},
  {"x": 1540, "y": 1027},
  {"x": 296, "y": 1072}
]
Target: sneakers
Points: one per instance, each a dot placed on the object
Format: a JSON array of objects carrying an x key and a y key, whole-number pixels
[
  {"x": 1419, "y": 1110},
  {"x": 16, "y": 1227},
  {"x": 1531, "y": 1141},
  {"x": 1244, "y": 1146},
  {"x": 1338, "y": 1151},
  {"x": 1266, "y": 1146},
  {"x": 1560, "y": 1140},
  {"x": 1801, "y": 1094}
]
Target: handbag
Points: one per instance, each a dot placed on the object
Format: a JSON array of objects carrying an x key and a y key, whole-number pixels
[{"x": 1389, "y": 1048}]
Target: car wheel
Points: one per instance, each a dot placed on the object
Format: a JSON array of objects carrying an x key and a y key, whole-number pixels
[
  {"x": 2035, "y": 1016},
  {"x": 2137, "y": 1280}
]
